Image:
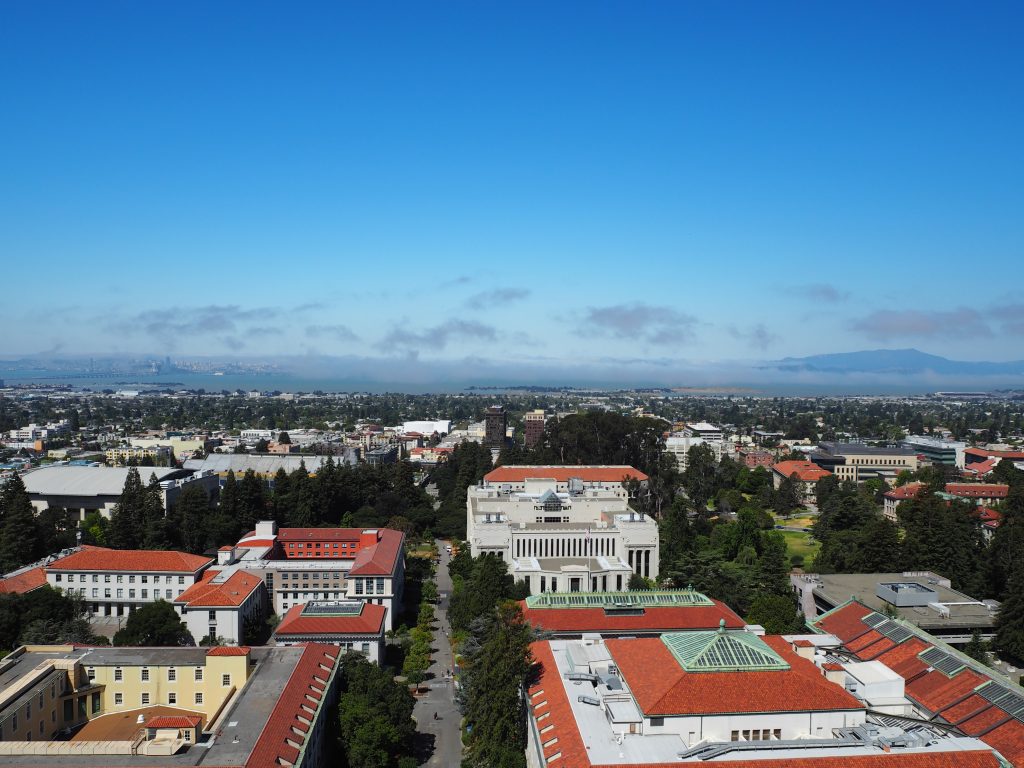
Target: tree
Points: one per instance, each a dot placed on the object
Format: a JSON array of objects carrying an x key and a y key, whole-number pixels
[
  {"x": 489, "y": 584},
  {"x": 788, "y": 496},
  {"x": 699, "y": 478},
  {"x": 191, "y": 513},
  {"x": 284, "y": 439},
  {"x": 498, "y": 664},
  {"x": 374, "y": 715},
  {"x": 17, "y": 526},
  {"x": 1009, "y": 639},
  {"x": 977, "y": 649},
  {"x": 154, "y": 624},
  {"x": 776, "y": 613},
  {"x": 261, "y": 446}
]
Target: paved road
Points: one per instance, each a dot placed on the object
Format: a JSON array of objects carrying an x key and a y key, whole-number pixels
[{"x": 447, "y": 747}]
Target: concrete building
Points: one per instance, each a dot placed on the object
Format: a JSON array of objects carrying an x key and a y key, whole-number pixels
[
  {"x": 223, "y": 605},
  {"x": 612, "y": 478},
  {"x": 896, "y": 496},
  {"x": 720, "y": 697},
  {"x": 942, "y": 686},
  {"x": 302, "y": 565},
  {"x": 82, "y": 490},
  {"x": 114, "y": 582},
  {"x": 565, "y": 530},
  {"x": 984, "y": 494},
  {"x": 266, "y": 466},
  {"x": 936, "y": 451},
  {"x": 859, "y": 462},
  {"x": 533, "y": 427},
  {"x": 648, "y": 613},
  {"x": 126, "y": 455},
  {"x": 385, "y": 454},
  {"x": 427, "y": 428},
  {"x": 229, "y": 707},
  {"x": 354, "y": 625},
  {"x": 496, "y": 427},
  {"x": 925, "y": 599},
  {"x": 753, "y": 458}
]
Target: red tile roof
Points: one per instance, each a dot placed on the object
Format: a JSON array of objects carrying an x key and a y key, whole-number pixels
[
  {"x": 23, "y": 582},
  {"x": 380, "y": 559},
  {"x": 228, "y": 650},
  {"x": 997, "y": 454},
  {"x": 303, "y": 691},
  {"x": 563, "y": 473},
  {"x": 947, "y": 697},
  {"x": 982, "y": 468},
  {"x": 230, "y": 593},
  {"x": 904, "y": 492},
  {"x": 805, "y": 471},
  {"x": 370, "y": 621},
  {"x": 661, "y": 686},
  {"x": 102, "y": 559},
  {"x": 548, "y": 697},
  {"x": 170, "y": 721},
  {"x": 978, "y": 490},
  {"x": 665, "y": 619}
]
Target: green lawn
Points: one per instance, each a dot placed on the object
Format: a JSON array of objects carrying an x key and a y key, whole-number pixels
[{"x": 800, "y": 543}]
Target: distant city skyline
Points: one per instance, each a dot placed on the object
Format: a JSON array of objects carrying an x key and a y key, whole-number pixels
[{"x": 561, "y": 186}]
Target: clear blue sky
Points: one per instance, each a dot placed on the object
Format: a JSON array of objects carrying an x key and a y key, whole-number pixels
[{"x": 570, "y": 182}]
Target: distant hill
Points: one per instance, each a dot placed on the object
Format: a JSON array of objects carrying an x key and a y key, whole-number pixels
[{"x": 896, "y": 361}]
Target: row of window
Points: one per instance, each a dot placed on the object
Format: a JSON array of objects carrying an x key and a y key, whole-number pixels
[
  {"x": 119, "y": 592},
  {"x": 144, "y": 699},
  {"x": 94, "y": 578},
  {"x": 315, "y": 596},
  {"x": 305, "y": 576},
  {"x": 757, "y": 734},
  {"x": 326, "y": 545},
  {"x": 172, "y": 675},
  {"x": 368, "y": 585}
]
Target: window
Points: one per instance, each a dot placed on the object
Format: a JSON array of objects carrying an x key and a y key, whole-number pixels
[
  {"x": 181, "y": 579},
  {"x": 198, "y": 674},
  {"x": 365, "y": 648},
  {"x": 145, "y": 674},
  {"x": 380, "y": 586},
  {"x": 172, "y": 698},
  {"x": 188, "y": 735},
  {"x": 172, "y": 674},
  {"x": 106, "y": 578},
  {"x": 120, "y": 579},
  {"x": 145, "y": 699},
  {"x": 144, "y": 579},
  {"x": 118, "y": 674},
  {"x": 359, "y": 586},
  {"x": 778, "y": 733},
  {"x": 95, "y": 592},
  {"x": 735, "y": 736},
  {"x": 90, "y": 673},
  {"x": 95, "y": 578},
  {"x": 106, "y": 592},
  {"x": 118, "y": 699},
  {"x": 167, "y": 594},
  {"x": 213, "y": 615},
  {"x": 57, "y": 577},
  {"x": 225, "y": 680},
  {"x": 131, "y": 579},
  {"x": 199, "y": 698},
  {"x": 120, "y": 593},
  {"x": 131, "y": 593},
  {"x": 81, "y": 578}
]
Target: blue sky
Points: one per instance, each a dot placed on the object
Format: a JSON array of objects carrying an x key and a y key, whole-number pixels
[{"x": 579, "y": 183}]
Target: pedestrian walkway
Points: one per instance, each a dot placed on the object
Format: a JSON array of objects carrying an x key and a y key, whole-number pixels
[{"x": 439, "y": 700}]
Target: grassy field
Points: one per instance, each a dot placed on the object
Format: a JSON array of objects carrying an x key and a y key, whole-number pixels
[{"x": 800, "y": 543}]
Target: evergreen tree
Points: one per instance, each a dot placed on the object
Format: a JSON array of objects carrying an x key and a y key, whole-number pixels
[
  {"x": 190, "y": 516},
  {"x": 700, "y": 478},
  {"x": 1009, "y": 639},
  {"x": 154, "y": 624},
  {"x": 977, "y": 649},
  {"x": 498, "y": 663},
  {"x": 127, "y": 519},
  {"x": 18, "y": 544}
]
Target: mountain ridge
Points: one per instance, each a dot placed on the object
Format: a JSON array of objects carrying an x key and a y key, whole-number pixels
[{"x": 895, "y": 361}]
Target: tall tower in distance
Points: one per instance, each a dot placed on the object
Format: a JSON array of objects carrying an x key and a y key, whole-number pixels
[
  {"x": 495, "y": 426},
  {"x": 534, "y": 427}
]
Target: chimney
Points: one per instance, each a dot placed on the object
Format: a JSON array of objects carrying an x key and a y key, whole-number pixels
[
  {"x": 834, "y": 673},
  {"x": 804, "y": 649}
]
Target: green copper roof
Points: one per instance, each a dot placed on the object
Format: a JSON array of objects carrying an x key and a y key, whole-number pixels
[
  {"x": 722, "y": 651},
  {"x": 654, "y": 598}
]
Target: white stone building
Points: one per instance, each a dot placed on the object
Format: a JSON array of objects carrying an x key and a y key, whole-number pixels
[{"x": 561, "y": 532}]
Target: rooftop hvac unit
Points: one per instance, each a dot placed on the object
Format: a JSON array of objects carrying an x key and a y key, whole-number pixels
[{"x": 589, "y": 700}]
